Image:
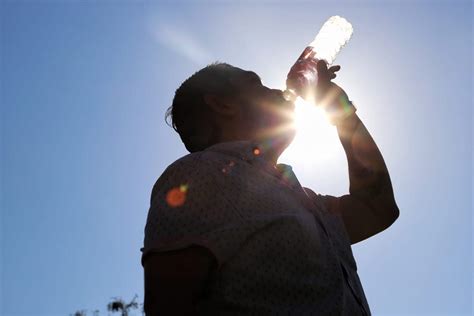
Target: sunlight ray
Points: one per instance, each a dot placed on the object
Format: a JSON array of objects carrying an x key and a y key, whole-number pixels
[{"x": 316, "y": 139}]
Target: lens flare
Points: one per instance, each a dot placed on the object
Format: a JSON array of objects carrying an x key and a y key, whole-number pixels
[
  {"x": 177, "y": 195},
  {"x": 316, "y": 139}
]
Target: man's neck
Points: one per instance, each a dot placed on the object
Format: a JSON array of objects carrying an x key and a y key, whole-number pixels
[{"x": 270, "y": 149}]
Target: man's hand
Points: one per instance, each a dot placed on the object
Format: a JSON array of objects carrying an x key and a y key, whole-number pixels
[
  {"x": 325, "y": 85},
  {"x": 332, "y": 98}
]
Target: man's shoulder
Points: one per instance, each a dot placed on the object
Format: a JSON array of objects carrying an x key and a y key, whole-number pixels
[
  {"x": 323, "y": 201},
  {"x": 187, "y": 160},
  {"x": 202, "y": 164},
  {"x": 201, "y": 160},
  {"x": 310, "y": 193},
  {"x": 200, "y": 170}
]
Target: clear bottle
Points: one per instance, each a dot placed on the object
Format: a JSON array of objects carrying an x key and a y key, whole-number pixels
[{"x": 303, "y": 76}]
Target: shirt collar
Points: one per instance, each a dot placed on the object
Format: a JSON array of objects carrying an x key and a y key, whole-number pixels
[
  {"x": 246, "y": 150},
  {"x": 256, "y": 153}
]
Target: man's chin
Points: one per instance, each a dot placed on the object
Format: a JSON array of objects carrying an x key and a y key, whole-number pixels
[{"x": 279, "y": 140}]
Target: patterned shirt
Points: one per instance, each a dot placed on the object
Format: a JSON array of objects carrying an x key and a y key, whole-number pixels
[{"x": 279, "y": 250}]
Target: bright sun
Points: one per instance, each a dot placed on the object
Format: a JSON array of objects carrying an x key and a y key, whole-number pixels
[{"x": 316, "y": 139}]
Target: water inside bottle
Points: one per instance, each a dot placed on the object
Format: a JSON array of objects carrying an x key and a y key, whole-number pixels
[{"x": 303, "y": 76}]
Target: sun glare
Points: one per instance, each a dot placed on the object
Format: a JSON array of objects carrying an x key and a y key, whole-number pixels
[{"x": 316, "y": 139}]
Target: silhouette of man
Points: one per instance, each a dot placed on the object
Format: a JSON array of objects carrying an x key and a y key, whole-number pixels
[{"x": 231, "y": 232}]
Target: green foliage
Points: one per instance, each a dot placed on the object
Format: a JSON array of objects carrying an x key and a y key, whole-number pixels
[{"x": 117, "y": 305}]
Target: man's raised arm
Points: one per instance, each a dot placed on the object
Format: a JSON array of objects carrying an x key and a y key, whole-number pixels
[{"x": 370, "y": 207}]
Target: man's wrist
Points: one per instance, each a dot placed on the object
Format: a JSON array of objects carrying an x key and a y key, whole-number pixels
[{"x": 341, "y": 110}]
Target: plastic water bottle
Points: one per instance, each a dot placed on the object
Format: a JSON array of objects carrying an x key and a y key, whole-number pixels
[{"x": 303, "y": 76}]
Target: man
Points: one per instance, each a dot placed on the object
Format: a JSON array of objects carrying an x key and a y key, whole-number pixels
[{"x": 231, "y": 232}]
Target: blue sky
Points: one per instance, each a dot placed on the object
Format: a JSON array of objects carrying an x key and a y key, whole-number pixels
[{"x": 84, "y": 88}]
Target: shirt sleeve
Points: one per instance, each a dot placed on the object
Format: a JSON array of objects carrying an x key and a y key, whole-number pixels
[
  {"x": 325, "y": 203},
  {"x": 190, "y": 205},
  {"x": 328, "y": 210}
]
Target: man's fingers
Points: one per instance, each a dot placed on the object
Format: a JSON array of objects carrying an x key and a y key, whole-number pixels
[
  {"x": 326, "y": 73},
  {"x": 321, "y": 66},
  {"x": 334, "y": 68}
]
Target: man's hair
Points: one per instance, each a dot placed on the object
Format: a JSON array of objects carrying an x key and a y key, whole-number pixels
[{"x": 190, "y": 116}]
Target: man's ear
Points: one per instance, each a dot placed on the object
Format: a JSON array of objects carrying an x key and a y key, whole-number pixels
[{"x": 221, "y": 105}]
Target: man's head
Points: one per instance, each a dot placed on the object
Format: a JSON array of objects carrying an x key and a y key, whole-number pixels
[{"x": 222, "y": 103}]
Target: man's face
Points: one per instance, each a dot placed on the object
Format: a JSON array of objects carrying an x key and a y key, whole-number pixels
[{"x": 265, "y": 114}]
